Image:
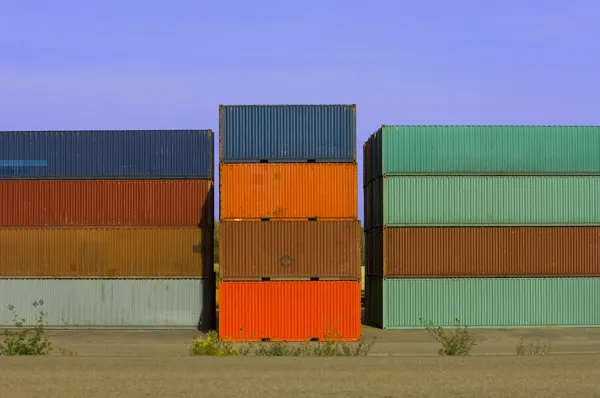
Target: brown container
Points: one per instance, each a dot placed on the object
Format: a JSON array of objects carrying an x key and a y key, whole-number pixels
[
  {"x": 105, "y": 252},
  {"x": 289, "y": 191},
  {"x": 106, "y": 203},
  {"x": 292, "y": 250},
  {"x": 485, "y": 252}
]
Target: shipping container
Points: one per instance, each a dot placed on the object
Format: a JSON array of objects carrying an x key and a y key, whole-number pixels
[
  {"x": 489, "y": 200},
  {"x": 485, "y": 252},
  {"x": 113, "y": 303},
  {"x": 487, "y": 150},
  {"x": 287, "y": 133},
  {"x": 289, "y": 311},
  {"x": 106, "y": 203},
  {"x": 288, "y": 191},
  {"x": 105, "y": 252},
  {"x": 128, "y": 154},
  {"x": 293, "y": 250},
  {"x": 490, "y": 302}
]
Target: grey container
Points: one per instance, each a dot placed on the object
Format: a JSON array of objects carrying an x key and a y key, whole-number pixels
[
  {"x": 114, "y": 303},
  {"x": 287, "y": 133}
]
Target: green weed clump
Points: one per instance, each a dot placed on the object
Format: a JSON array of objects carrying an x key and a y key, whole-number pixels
[
  {"x": 458, "y": 342},
  {"x": 533, "y": 349},
  {"x": 20, "y": 342},
  {"x": 211, "y": 345}
]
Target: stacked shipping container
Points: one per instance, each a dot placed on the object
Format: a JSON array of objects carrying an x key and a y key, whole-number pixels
[
  {"x": 494, "y": 225},
  {"x": 107, "y": 228},
  {"x": 289, "y": 236}
]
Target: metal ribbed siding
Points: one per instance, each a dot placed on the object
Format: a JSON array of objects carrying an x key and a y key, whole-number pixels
[
  {"x": 105, "y": 252},
  {"x": 85, "y": 303},
  {"x": 487, "y": 200},
  {"x": 106, "y": 203},
  {"x": 107, "y": 154},
  {"x": 491, "y": 302},
  {"x": 287, "y": 133},
  {"x": 373, "y": 301},
  {"x": 289, "y": 311},
  {"x": 290, "y": 250},
  {"x": 288, "y": 191},
  {"x": 485, "y": 252},
  {"x": 490, "y": 149}
]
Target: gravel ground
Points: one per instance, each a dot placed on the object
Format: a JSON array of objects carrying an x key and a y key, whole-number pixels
[{"x": 479, "y": 376}]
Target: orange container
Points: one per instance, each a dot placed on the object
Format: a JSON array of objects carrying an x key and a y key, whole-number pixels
[
  {"x": 289, "y": 311},
  {"x": 33, "y": 203},
  {"x": 289, "y": 191}
]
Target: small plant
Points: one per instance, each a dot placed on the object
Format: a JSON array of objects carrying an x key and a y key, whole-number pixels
[
  {"x": 66, "y": 353},
  {"x": 533, "y": 349},
  {"x": 18, "y": 342},
  {"x": 212, "y": 346},
  {"x": 330, "y": 346},
  {"x": 455, "y": 343}
]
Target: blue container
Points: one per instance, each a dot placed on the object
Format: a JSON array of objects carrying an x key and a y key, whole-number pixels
[
  {"x": 287, "y": 133},
  {"x": 115, "y": 154}
]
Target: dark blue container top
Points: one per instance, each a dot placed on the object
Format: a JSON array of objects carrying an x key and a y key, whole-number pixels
[
  {"x": 287, "y": 133},
  {"x": 112, "y": 154}
]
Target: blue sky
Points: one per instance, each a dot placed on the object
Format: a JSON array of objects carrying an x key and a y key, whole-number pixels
[{"x": 138, "y": 65}]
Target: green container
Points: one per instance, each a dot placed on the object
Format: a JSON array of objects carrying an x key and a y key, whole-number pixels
[
  {"x": 485, "y": 201},
  {"x": 483, "y": 150},
  {"x": 483, "y": 302}
]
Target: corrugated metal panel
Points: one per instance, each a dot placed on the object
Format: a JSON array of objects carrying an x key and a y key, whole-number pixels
[
  {"x": 521, "y": 251},
  {"x": 491, "y": 302},
  {"x": 289, "y": 311},
  {"x": 107, "y": 154},
  {"x": 374, "y": 301},
  {"x": 491, "y": 149},
  {"x": 117, "y": 303},
  {"x": 288, "y": 249},
  {"x": 486, "y": 200},
  {"x": 287, "y": 133},
  {"x": 366, "y": 162},
  {"x": 377, "y": 202},
  {"x": 288, "y": 191},
  {"x": 106, "y": 203},
  {"x": 105, "y": 252}
]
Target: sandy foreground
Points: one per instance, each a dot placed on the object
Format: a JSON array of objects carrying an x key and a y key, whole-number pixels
[{"x": 401, "y": 364}]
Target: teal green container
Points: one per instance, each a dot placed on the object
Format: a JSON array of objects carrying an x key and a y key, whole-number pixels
[
  {"x": 483, "y": 150},
  {"x": 484, "y": 302},
  {"x": 485, "y": 201}
]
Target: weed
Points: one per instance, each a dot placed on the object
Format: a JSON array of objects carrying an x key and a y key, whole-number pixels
[
  {"x": 330, "y": 346},
  {"x": 533, "y": 349},
  {"x": 65, "y": 353},
  {"x": 18, "y": 342},
  {"x": 455, "y": 343},
  {"x": 211, "y": 346}
]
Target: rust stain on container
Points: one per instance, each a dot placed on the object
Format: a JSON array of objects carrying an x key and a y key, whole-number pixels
[
  {"x": 105, "y": 252},
  {"x": 289, "y": 311},
  {"x": 290, "y": 249},
  {"x": 287, "y": 191},
  {"x": 106, "y": 203},
  {"x": 487, "y": 251}
]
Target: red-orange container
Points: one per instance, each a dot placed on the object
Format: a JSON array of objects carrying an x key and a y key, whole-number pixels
[
  {"x": 34, "y": 203},
  {"x": 289, "y": 311},
  {"x": 289, "y": 191}
]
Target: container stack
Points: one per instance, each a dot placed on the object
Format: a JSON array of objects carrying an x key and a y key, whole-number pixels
[
  {"x": 107, "y": 229},
  {"x": 496, "y": 226},
  {"x": 290, "y": 257}
]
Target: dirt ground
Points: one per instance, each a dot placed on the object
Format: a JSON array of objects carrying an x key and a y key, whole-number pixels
[
  {"x": 477, "y": 376},
  {"x": 401, "y": 364}
]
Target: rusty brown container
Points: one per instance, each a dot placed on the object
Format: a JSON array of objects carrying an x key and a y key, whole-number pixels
[
  {"x": 290, "y": 250},
  {"x": 289, "y": 191},
  {"x": 484, "y": 252},
  {"x": 106, "y": 203},
  {"x": 106, "y": 252}
]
